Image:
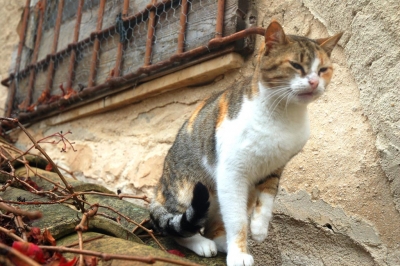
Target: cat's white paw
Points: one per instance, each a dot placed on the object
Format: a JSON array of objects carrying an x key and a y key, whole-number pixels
[
  {"x": 239, "y": 259},
  {"x": 259, "y": 229},
  {"x": 200, "y": 245},
  {"x": 206, "y": 248}
]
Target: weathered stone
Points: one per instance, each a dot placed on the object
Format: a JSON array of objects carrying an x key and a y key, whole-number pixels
[
  {"x": 60, "y": 219},
  {"x": 112, "y": 245}
]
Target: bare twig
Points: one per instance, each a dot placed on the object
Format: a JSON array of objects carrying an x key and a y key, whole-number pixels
[
  {"x": 19, "y": 255},
  {"x": 55, "y": 168},
  {"x": 20, "y": 225},
  {"x": 106, "y": 256},
  {"x": 85, "y": 241},
  {"x": 11, "y": 234},
  {"x": 68, "y": 172},
  {"x": 45, "y": 178},
  {"x": 36, "y": 202},
  {"x": 81, "y": 262},
  {"x": 82, "y": 226},
  {"x": 32, "y": 215},
  {"x": 141, "y": 223},
  {"x": 120, "y": 196}
]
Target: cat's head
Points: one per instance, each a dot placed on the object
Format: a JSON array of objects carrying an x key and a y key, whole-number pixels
[{"x": 295, "y": 68}]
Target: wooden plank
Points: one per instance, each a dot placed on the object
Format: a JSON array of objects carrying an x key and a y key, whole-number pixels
[
  {"x": 60, "y": 75},
  {"x": 21, "y": 91},
  {"x": 40, "y": 83},
  {"x": 136, "y": 6},
  {"x": 48, "y": 29},
  {"x": 89, "y": 21},
  {"x": 66, "y": 34},
  {"x": 107, "y": 57},
  {"x": 201, "y": 23},
  {"x": 82, "y": 70},
  {"x": 195, "y": 74},
  {"x": 111, "y": 10},
  {"x": 135, "y": 48},
  {"x": 166, "y": 35}
]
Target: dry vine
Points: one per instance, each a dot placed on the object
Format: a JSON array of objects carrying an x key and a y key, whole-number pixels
[{"x": 9, "y": 155}]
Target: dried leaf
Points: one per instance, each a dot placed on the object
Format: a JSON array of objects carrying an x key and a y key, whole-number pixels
[
  {"x": 176, "y": 252},
  {"x": 90, "y": 260},
  {"x": 31, "y": 108},
  {"x": 44, "y": 96},
  {"x": 35, "y": 235},
  {"x": 62, "y": 89},
  {"x": 32, "y": 184},
  {"x": 49, "y": 167},
  {"x": 70, "y": 92},
  {"x": 24, "y": 105},
  {"x": 30, "y": 250},
  {"x": 48, "y": 237}
]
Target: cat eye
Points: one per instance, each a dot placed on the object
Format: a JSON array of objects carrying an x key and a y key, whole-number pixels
[
  {"x": 297, "y": 66},
  {"x": 322, "y": 70}
]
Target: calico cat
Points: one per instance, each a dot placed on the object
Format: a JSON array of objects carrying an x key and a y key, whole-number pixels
[{"x": 227, "y": 158}]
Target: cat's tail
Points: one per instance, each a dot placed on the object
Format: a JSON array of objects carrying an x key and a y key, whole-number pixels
[{"x": 184, "y": 224}]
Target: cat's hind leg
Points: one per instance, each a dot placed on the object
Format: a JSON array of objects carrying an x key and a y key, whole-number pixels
[
  {"x": 198, "y": 244},
  {"x": 262, "y": 212}
]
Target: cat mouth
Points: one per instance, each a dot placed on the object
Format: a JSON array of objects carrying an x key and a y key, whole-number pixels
[{"x": 306, "y": 94}]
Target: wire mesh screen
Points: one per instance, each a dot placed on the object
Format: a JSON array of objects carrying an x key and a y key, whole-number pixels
[{"x": 72, "y": 51}]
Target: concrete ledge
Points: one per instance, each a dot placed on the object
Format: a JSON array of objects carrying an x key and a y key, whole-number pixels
[{"x": 197, "y": 74}]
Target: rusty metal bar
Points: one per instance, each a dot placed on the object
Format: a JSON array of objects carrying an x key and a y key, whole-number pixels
[
  {"x": 92, "y": 36},
  {"x": 71, "y": 67},
  {"x": 11, "y": 95},
  {"x": 96, "y": 45},
  {"x": 121, "y": 46},
  {"x": 219, "y": 28},
  {"x": 150, "y": 35},
  {"x": 183, "y": 23},
  {"x": 32, "y": 76},
  {"x": 141, "y": 72},
  {"x": 50, "y": 73}
]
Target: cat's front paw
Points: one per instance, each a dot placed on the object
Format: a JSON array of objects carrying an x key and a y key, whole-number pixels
[
  {"x": 239, "y": 259},
  {"x": 206, "y": 248},
  {"x": 259, "y": 230}
]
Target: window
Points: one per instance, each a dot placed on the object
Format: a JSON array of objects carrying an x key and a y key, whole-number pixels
[{"x": 72, "y": 52}]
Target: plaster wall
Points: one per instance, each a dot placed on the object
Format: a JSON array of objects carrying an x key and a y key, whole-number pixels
[{"x": 339, "y": 201}]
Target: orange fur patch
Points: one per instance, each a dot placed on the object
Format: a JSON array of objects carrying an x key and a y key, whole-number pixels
[
  {"x": 194, "y": 116},
  {"x": 241, "y": 241},
  {"x": 218, "y": 229},
  {"x": 270, "y": 186},
  {"x": 160, "y": 197},
  {"x": 251, "y": 201},
  {"x": 185, "y": 192},
  {"x": 223, "y": 110}
]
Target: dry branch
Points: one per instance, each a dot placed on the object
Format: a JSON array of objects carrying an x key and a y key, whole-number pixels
[
  {"x": 55, "y": 168},
  {"x": 106, "y": 256},
  {"x": 11, "y": 234},
  {"x": 32, "y": 215}
]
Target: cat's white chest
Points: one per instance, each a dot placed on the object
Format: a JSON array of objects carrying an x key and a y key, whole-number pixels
[{"x": 257, "y": 143}]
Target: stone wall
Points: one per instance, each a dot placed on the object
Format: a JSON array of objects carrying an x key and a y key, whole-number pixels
[
  {"x": 10, "y": 15},
  {"x": 339, "y": 201}
]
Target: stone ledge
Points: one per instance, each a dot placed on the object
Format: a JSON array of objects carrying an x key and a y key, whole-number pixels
[{"x": 197, "y": 74}]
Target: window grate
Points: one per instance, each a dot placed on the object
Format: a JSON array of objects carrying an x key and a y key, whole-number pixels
[{"x": 74, "y": 51}]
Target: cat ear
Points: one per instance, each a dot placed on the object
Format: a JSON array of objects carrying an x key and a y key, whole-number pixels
[
  {"x": 274, "y": 35},
  {"x": 329, "y": 43}
]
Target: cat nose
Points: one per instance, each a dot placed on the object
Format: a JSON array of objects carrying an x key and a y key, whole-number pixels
[{"x": 313, "y": 82}]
